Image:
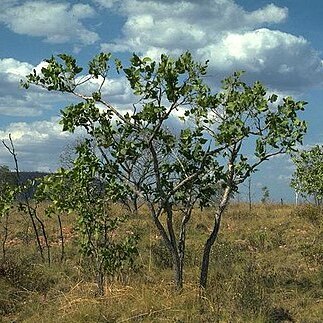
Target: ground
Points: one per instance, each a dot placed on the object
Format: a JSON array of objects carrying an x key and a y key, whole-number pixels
[{"x": 266, "y": 266}]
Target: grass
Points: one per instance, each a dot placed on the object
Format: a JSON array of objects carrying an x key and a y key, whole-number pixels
[{"x": 266, "y": 266}]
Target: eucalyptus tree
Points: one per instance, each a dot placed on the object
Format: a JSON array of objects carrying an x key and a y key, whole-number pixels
[
  {"x": 307, "y": 178},
  {"x": 176, "y": 170}
]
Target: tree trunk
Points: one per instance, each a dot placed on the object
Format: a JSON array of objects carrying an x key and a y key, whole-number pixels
[
  {"x": 5, "y": 236},
  {"x": 171, "y": 245},
  {"x": 211, "y": 239},
  {"x": 61, "y": 237},
  {"x": 100, "y": 281},
  {"x": 206, "y": 253},
  {"x": 182, "y": 239},
  {"x": 177, "y": 259},
  {"x": 178, "y": 270}
]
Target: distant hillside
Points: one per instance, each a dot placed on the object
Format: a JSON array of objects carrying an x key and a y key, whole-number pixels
[
  {"x": 11, "y": 177},
  {"x": 24, "y": 176}
]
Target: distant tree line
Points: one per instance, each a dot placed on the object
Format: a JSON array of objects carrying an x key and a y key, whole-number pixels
[{"x": 8, "y": 177}]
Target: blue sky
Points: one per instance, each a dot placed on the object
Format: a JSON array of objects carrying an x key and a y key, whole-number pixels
[{"x": 277, "y": 42}]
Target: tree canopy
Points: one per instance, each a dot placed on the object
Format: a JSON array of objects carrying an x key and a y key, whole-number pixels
[
  {"x": 222, "y": 137},
  {"x": 307, "y": 178}
]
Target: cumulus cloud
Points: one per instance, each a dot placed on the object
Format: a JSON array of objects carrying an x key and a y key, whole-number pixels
[
  {"x": 220, "y": 30},
  {"x": 14, "y": 69},
  {"x": 38, "y": 144},
  {"x": 15, "y": 101},
  {"x": 56, "y": 22},
  {"x": 115, "y": 90},
  {"x": 195, "y": 24},
  {"x": 284, "y": 61}
]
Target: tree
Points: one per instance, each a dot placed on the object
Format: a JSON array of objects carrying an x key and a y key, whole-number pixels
[
  {"x": 252, "y": 128},
  {"x": 7, "y": 192},
  {"x": 185, "y": 168},
  {"x": 6, "y": 176},
  {"x": 21, "y": 193},
  {"x": 81, "y": 190},
  {"x": 307, "y": 178},
  {"x": 265, "y": 194},
  {"x": 173, "y": 162}
]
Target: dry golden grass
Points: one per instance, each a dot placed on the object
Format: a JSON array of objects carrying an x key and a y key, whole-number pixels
[{"x": 266, "y": 267}]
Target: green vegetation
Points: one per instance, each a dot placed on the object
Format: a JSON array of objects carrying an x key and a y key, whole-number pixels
[
  {"x": 105, "y": 261},
  {"x": 265, "y": 267},
  {"x": 137, "y": 156},
  {"x": 307, "y": 178}
]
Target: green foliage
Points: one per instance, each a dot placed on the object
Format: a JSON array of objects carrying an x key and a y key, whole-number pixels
[
  {"x": 7, "y": 190},
  {"x": 307, "y": 178},
  {"x": 265, "y": 194},
  {"x": 56, "y": 76},
  {"x": 246, "y": 116},
  {"x": 136, "y": 154},
  {"x": 82, "y": 191},
  {"x": 6, "y": 177},
  {"x": 249, "y": 127},
  {"x": 7, "y": 198}
]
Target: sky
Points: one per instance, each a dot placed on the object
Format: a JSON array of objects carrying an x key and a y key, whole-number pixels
[{"x": 279, "y": 43}]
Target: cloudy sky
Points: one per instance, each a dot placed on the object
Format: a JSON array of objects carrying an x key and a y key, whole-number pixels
[{"x": 277, "y": 42}]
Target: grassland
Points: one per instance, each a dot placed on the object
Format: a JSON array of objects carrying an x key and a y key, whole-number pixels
[{"x": 266, "y": 267}]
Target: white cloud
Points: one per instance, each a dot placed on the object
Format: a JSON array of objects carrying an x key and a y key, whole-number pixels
[
  {"x": 56, "y": 22},
  {"x": 15, "y": 101},
  {"x": 14, "y": 68},
  {"x": 220, "y": 30},
  {"x": 115, "y": 90},
  {"x": 173, "y": 24},
  {"x": 284, "y": 61},
  {"x": 269, "y": 13},
  {"x": 37, "y": 144}
]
